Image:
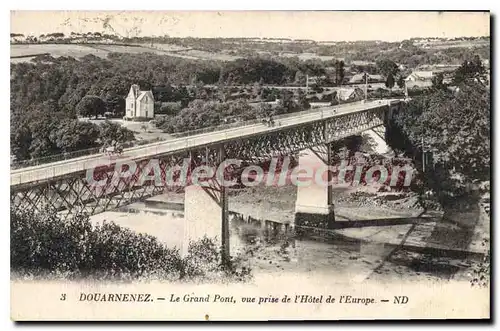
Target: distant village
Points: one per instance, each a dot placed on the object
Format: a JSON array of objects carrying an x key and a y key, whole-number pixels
[{"x": 361, "y": 79}]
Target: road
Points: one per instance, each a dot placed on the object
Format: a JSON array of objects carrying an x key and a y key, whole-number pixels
[
  {"x": 371, "y": 86},
  {"x": 60, "y": 168}
]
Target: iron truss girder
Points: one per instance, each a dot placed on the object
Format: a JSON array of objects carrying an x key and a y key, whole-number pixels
[{"x": 72, "y": 195}]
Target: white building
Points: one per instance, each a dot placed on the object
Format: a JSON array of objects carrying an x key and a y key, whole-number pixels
[
  {"x": 418, "y": 79},
  {"x": 139, "y": 103},
  {"x": 416, "y": 76},
  {"x": 360, "y": 78}
]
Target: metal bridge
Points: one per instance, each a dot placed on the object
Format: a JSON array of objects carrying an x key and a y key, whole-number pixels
[{"x": 63, "y": 187}]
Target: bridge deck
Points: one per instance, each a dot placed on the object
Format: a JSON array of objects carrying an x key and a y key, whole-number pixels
[{"x": 65, "y": 167}]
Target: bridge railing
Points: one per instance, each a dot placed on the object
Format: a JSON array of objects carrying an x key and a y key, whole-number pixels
[
  {"x": 76, "y": 154},
  {"x": 255, "y": 121},
  {"x": 96, "y": 150}
]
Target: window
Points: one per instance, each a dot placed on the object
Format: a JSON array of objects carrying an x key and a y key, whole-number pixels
[{"x": 146, "y": 113}]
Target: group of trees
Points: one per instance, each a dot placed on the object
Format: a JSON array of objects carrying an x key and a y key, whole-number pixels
[
  {"x": 40, "y": 133},
  {"x": 471, "y": 69},
  {"x": 63, "y": 82},
  {"x": 91, "y": 105},
  {"x": 89, "y": 87},
  {"x": 65, "y": 87},
  {"x": 201, "y": 114},
  {"x": 451, "y": 127},
  {"x": 390, "y": 70},
  {"x": 61, "y": 38}
]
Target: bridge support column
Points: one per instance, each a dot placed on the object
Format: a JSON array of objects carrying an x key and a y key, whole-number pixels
[
  {"x": 206, "y": 214},
  {"x": 314, "y": 206}
]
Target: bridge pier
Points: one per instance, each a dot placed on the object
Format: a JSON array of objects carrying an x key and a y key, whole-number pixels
[
  {"x": 314, "y": 206},
  {"x": 206, "y": 213}
]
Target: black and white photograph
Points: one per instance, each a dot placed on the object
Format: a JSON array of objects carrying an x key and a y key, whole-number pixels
[{"x": 250, "y": 165}]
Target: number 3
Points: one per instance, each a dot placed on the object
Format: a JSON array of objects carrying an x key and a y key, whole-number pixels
[{"x": 63, "y": 297}]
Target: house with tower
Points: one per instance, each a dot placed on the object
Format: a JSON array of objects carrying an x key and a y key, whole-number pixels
[{"x": 139, "y": 104}]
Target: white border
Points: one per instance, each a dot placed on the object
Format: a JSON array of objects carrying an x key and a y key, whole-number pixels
[{"x": 190, "y": 5}]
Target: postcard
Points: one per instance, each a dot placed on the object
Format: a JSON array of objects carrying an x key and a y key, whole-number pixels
[{"x": 249, "y": 165}]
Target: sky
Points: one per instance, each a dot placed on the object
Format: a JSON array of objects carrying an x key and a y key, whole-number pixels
[{"x": 314, "y": 25}]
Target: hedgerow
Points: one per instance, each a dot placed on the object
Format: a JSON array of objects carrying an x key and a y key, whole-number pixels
[{"x": 44, "y": 245}]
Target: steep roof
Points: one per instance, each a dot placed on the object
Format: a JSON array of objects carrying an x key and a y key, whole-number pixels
[
  {"x": 359, "y": 77},
  {"x": 135, "y": 89},
  {"x": 142, "y": 94},
  {"x": 419, "y": 83},
  {"x": 423, "y": 75},
  {"x": 138, "y": 94},
  {"x": 376, "y": 77},
  {"x": 356, "y": 77},
  {"x": 346, "y": 92}
]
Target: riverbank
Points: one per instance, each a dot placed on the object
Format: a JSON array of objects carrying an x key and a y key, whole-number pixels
[{"x": 410, "y": 247}]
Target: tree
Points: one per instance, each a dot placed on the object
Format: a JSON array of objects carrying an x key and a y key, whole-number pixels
[
  {"x": 470, "y": 70},
  {"x": 114, "y": 104},
  {"x": 455, "y": 129},
  {"x": 437, "y": 81},
  {"x": 20, "y": 140},
  {"x": 401, "y": 81},
  {"x": 302, "y": 100},
  {"x": 72, "y": 135},
  {"x": 387, "y": 67},
  {"x": 339, "y": 72},
  {"x": 183, "y": 95},
  {"x": 300, "y": 78},
  {"x": 109, "y": 131},
  {"x": 389, "y": 82},
  {"x": 56, "y": 35},
  {"x": 407, "y": 45},
  {"x": 41, "y": 125},
  {"x": 287, "y": 103},
  {"x": 265, "y": 110},
  {"x": 91, "y": 105},
  {"x": 256, "y": 90}
]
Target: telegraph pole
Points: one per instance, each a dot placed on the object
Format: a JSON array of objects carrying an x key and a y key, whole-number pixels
[
  {"x": 423, "y": 155},
  {"x": 225, "y": 251},
  {"x": 307, "y": 84},
  {"x": 366, "y": 86}
]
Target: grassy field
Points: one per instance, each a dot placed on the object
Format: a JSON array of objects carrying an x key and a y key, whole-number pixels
[
  {"x": 81, "y": 50},
  {"x": 455, "y": 43},
  {"x": 309, "y": 56},
  {"x": 55, "y": 50},
  {"x": 151, "y": 132},
  {"x": 101, "y": 50},
  {"x": 209, "y": 55},
  {"x": 18, "y": 51},
  {"x": 124, "y": 49}
]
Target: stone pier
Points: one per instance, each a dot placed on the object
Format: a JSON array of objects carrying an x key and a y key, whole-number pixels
[
  {"x": 314, "y": 206},
  {"x": 206, "y": 211}
]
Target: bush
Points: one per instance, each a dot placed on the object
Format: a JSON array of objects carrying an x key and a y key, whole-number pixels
[
  {"x": 200, "y": 114},
  {"x": 138, "y": 119},
  {"x": 168, "y": 108},
  {"x": 203, "y": 257},
  {"x": 385, "y": 93},
  {"x": 45, "y": 245}
]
